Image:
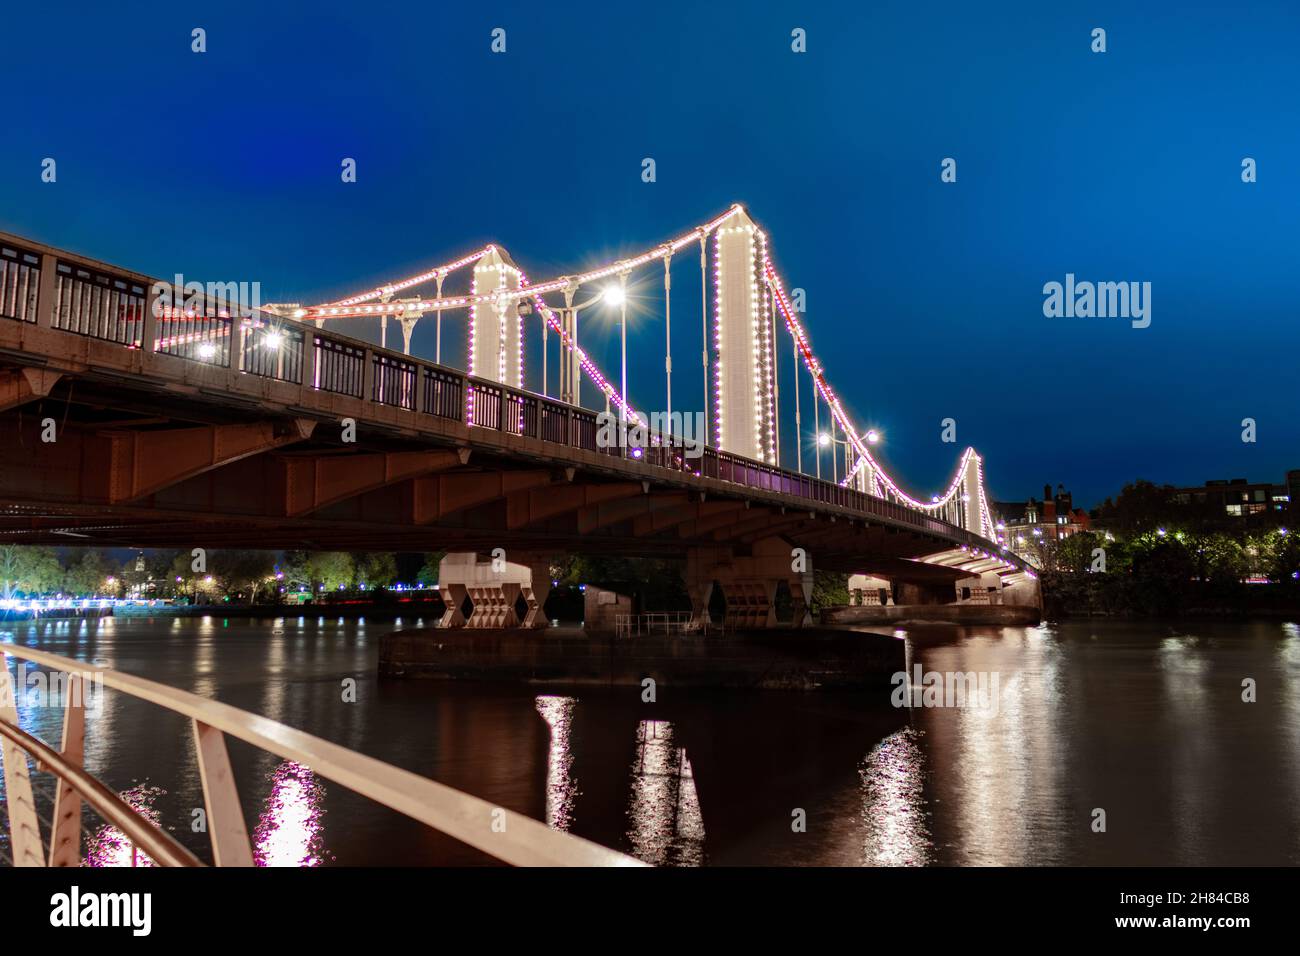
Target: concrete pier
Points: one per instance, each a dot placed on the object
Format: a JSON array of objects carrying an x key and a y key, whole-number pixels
[{"x": 772, "y": 659}]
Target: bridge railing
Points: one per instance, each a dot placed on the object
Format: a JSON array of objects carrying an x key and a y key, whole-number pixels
[
  {"x": 500, "y": 833},
  {"x": 93, "y": 300}
]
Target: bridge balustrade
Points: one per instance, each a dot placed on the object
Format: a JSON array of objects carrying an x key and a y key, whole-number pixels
[
  {"x": 273, "y": 351},
  {"x": 96, "y": 304},
  {"x": 20, "y": 280},
  {"x": 339, "y": 367},
  {"x": 394, "y": 381},
  {"x": 444, "y": 393}
]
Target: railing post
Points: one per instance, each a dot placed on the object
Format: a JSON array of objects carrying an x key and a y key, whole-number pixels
[
  {"x": 237, "y": 332},
  {"x": 149, "y": 331},
  {"x": 65, "y": 840},
  {"x": 230, "y": 846},
  {"x": 45, "y": 304},
  {"x": 367, "y": 375},
  {"x": 24, "y": 827},
  {"x": 502, "y": 409},
  {"x": 308, "y": 362}
]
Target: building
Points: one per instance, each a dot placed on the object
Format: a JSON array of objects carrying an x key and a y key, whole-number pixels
[
  {"x": 1031, "y": 529},
  {"x": 1239, "y": 498}
]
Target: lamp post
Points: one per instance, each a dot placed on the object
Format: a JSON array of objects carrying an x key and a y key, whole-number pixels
[
  {"x": 872, "y": 436},
  {"x": 622, "y": 323},
  {"x": 524, "y": 308},
  {"x": 616, "y": 295}
]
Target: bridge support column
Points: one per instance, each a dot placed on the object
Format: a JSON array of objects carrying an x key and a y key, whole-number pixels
[
  {"x": 866, "y": 590},
  {"x": 749, "y": 583},
  {"x": 493, "y": 588},
  {"x": 536, "y": 589}
]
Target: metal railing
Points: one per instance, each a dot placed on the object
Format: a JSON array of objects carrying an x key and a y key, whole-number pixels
[
  {"x": 657, "y": 622},
  {"x": 500, "y": 833},
  {"x": 354, "y": 368},
  {"x": 20, "y": 279}
]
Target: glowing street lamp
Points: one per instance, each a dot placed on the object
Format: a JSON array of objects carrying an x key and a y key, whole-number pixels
[{"x": 616, "y": 296}]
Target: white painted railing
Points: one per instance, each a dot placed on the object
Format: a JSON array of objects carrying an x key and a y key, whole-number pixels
[{"x": 500, "y": 833}]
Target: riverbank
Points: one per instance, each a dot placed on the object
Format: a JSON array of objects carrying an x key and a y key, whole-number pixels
[
  {"x": 1133, "y": 596},
  {"x": 816, "y": 658},
  {"x": 1005, "y": 615}
]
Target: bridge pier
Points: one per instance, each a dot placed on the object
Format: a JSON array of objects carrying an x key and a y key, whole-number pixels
[
  {"x": 493, "y": 588},
  {"x": 866, "y": 590},
  {"x": 749, "y": 583}
]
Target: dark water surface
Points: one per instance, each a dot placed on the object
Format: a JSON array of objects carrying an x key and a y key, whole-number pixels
[{"x": 1142, "y": 720}]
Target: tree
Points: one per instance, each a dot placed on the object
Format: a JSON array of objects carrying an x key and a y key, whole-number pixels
[
  {"x": 830, "y": 588},
  {"x": 374, "y": 570},
  {"x": 1141, "y": 506},
  {"x": 311, "y": 569},
  {"x": 29, "y": 570},
  {"x": 87, "y": 576},
  {"x": 244, "y": 572},
  {"x": 428, "y": 574}
]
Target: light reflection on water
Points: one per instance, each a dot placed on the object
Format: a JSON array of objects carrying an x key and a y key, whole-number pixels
[
  {"x": 665, "y": 825},
  {"x": 1141, "y": 719},
  {"x": 561, "y": 788},
  {"x": 107, "y": 846},
  {"x": 895, "y": 831},
  {"x": 290, "y": 830}
]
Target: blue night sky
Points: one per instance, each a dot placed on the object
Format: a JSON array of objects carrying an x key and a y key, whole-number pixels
[{"x": 924, "y": 299}]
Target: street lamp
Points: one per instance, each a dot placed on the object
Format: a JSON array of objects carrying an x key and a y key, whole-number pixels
[
  {"x": 523, "y": 308},
  {"x": 616, "y": 295}
]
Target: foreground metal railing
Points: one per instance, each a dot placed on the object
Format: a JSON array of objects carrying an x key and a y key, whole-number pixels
[{"x": 502, "y": 834}]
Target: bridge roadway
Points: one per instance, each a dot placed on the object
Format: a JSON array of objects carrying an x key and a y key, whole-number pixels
[{"x": 183, "y": 433}]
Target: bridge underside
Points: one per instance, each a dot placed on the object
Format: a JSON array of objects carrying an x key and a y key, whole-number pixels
[{"x": 143, "y": 466}]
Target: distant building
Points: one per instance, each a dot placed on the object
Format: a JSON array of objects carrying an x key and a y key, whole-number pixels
[
  {"x": 1030, "y": 529},
  {"x": 1239, "y": 498}
]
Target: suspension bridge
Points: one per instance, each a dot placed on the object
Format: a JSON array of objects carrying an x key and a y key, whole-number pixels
[{"x": 144, "y": 413}]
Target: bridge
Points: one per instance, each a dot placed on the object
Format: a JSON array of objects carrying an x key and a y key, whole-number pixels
[{"x": 140, "y": 413}]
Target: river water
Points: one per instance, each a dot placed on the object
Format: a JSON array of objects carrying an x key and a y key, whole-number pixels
[{"x": 1144, "y": 722}]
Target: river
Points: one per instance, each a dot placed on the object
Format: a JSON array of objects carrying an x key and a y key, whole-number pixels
[{"x": 1142, "y": 721}]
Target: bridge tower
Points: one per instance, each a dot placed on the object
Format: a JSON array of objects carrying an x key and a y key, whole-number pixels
[
  {"x": 495, "y": 328},
  {"x": 745, "y": 410},
  {"x": 970, "y": 493}
]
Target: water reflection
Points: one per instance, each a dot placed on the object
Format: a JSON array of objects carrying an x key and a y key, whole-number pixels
[
  {"x": 1136, "y": 718},
  {"x": 893, "y": 803},
  {"x": 109, "y": 846},
  {"x": 561, "y": 789},
  {"x": 290, "y": 831},
  {"x": 667, "y": 828}
]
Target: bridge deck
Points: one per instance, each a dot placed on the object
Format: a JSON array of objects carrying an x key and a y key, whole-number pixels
[{"x": 177, "y": 432}]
